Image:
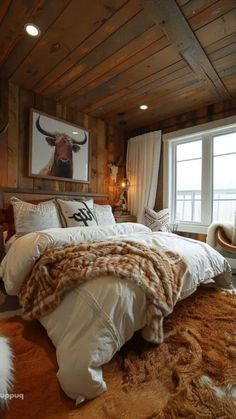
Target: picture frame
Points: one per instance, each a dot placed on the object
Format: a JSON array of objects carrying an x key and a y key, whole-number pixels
[{"x": 59, "y": 150}]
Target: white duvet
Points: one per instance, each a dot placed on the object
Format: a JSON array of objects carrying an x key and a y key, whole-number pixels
[{"x": 94, "y": 320}]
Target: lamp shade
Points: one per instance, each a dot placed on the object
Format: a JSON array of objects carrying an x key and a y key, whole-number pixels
[{"x": 125, "y": 183}]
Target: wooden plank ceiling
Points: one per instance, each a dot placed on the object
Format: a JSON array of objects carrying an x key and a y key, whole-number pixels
[{"x": 107, "y": 57}]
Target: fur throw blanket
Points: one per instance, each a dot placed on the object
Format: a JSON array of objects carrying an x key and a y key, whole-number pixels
[{"x": 160, "y": 275}]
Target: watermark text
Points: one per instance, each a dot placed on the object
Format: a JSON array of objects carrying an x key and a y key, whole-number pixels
[{"x": 10, "y": 396}]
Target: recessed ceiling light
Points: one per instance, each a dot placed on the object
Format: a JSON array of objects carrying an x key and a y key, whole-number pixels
[
  {"x": 75, "y": 132},
  {"x": 143, "y": 107},
  {"x": 32, "y": 30}
]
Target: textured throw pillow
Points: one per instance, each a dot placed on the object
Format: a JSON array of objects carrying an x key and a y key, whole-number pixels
[
  {"x": 104, "y": 215},
  {"x": 77, "y": 213},
  {"x": 29, "y": 217},
  {"x": 157, "y": 221}
]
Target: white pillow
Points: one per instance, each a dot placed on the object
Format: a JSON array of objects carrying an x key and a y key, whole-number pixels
[
  {"x": 104, "y": 215},
  {"x": 77, "y": 213},
  {"x": 30, "y": 217},
  {"x": 157, "y": 221}
]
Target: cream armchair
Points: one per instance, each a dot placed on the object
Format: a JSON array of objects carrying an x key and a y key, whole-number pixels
[
  {"x": 223, "y": 241},
  {"x": 222, "y": 237}
]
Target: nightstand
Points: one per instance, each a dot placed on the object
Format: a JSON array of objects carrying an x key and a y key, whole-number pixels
[{"x": 126, "y": 218}]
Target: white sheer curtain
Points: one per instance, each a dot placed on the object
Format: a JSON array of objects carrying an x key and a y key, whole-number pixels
[{"x": 142, "y": 166}]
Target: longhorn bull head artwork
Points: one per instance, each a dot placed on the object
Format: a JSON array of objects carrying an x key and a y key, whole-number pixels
[{"x": 61, "y": 165}]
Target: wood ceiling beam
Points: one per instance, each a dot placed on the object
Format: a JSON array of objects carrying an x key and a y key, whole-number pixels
[{"x": 167, "y": 15}]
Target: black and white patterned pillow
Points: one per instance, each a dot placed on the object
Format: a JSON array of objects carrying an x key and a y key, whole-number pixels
[
  {"x": 157, "y": 221},
  {"x": 77, "y": 213}
]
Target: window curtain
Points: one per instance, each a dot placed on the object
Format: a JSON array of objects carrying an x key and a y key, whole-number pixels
[{"x": 142, "y": 167}]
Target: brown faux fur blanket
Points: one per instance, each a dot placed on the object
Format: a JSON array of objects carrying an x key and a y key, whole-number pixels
[{"x": 160, "y": 274}]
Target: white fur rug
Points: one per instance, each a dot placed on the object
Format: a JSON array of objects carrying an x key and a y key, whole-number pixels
[{"x": 6, "y": 371}]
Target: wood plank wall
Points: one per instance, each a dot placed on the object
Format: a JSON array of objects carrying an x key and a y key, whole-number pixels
[
  {"x": 200, "y": 116},
  {"x": 106, "y": 143}
]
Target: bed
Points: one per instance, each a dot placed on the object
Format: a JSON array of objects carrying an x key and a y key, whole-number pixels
[{"x": 95, "y": 318}]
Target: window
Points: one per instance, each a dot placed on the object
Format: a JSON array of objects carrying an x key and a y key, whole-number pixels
[
  {"x": 224, "y": 177},
  {"x": 188, "y": 181},
  {"x": 201, "y": 175}
]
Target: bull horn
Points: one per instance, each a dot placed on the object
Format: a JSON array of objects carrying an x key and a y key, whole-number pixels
[
  {"x": 4, "y": 129},
  {"x": 47, "y": 133},
  {"x": 119, "y": 161},
  {"x": 81, "y": 142}
]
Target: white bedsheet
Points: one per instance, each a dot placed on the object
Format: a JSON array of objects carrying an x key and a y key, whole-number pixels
[{"x": 94, "y": 320}]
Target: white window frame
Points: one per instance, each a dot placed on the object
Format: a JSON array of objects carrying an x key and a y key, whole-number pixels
[{"x": 204, "y": 132}]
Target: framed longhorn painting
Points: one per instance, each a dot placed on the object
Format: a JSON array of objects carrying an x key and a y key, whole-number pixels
[{"x": 58, "y": 149}]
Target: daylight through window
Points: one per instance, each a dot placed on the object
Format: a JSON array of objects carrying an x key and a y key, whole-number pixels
[{"x": 202, "y": 178}]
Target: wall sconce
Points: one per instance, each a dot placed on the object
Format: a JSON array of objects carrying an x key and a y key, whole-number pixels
[{"x": 125, "y": 183}]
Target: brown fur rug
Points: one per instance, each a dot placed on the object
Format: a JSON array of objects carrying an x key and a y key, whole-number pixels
[{"x": 190, "y": 375}]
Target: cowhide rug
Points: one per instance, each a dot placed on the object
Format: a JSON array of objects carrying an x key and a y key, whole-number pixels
[{"x": 191, "y": 375}]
